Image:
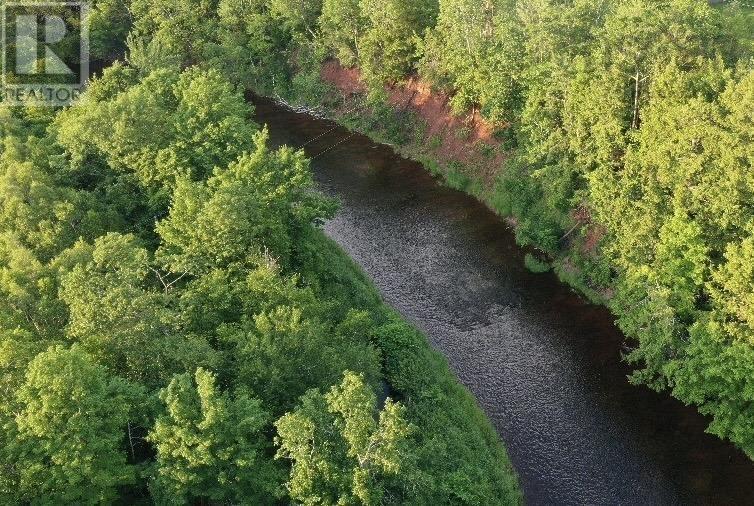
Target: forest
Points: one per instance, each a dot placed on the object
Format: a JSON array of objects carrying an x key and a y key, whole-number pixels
[
  {"x": 626, "y": 128},
  {"x": 175, "y": 328}
]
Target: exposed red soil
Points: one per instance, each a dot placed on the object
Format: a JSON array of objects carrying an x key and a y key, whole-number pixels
[
  {"x": 582, "y": 218},
  {"x": 467, "y": 139},
  {"x": 348, "y": 81},
  {"x": 594, "y": 235}
]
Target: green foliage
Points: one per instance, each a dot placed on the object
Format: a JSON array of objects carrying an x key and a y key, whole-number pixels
[
  {"x": 536, "y": 265},
  {"x": 740, "y": 15},
  {"x": 109, "y": 24},
  {"x": 284, "y": 351},
  {"x": 639, "y": 140},
  {"x": 476, "y": 51},
  {"x": 29, "y": 292},
  {"x": 382, "y": 122},
  {"x": 211, "y": 446},
  {"x": 343, "y": 450},
  {"x": 69, "y": 431},
  {"x": 260, "y": 204},
  {"x": 297, "y": 15},
  {"x": 119, "y": 316},
  {"x": 150, "y": 235},
  {"x": 342, "y": 26},
  {"x": 457, "y": 458},
  {"x": 633, "y": 113},
  {"x": 168, "y": 127},
  {"x": 716, "y": 375},
  {"x": 40, "y": 214},
  {"x": 518, "y": 194},
  {"x": 732, "y": 281},
  {"x": 170, "y": 33},
  {"x": 308, "y": 87},
  {"x": 251, "y": 47},
  {"x": 388, "y": 45},
  {"x": 456, "y": 178},
  {"x": 17, "y": 350}
]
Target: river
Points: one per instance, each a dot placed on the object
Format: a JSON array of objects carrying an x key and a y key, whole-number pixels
[{"x": 543, "y": 364}]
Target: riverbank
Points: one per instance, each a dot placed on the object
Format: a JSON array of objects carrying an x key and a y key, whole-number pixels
[
  {"x": 455, "y": 438},
  {"x": 468, "y": 154},
  {"x": 540, "y": 361}
]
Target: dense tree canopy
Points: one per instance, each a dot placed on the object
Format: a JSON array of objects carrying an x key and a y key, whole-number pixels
[
  {"x": 629, "y": 123},
  {"x": 69, "y": 429},
  {"x": 476, "y": 49},
  {"x": 164, "y": 284},
  {"x": 339, "y": 447},
  {"x": 211, "y": 445},
  {"x": 171, "y": 313}
]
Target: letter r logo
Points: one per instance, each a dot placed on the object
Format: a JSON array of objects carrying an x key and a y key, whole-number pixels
[
  {"x": 44, "y": 51},
  {"x": 27, "y": 46}
]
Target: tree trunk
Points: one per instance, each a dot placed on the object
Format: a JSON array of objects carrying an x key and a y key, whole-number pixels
[
  {"x": 637, "y": 92},
  {"x": 131, "y": 442}
]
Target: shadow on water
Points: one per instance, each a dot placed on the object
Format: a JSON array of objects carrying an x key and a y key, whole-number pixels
[{"x": 544, "y": 365}]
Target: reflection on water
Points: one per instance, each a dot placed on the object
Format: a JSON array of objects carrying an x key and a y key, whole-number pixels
[{"x": 543, "y": 364}]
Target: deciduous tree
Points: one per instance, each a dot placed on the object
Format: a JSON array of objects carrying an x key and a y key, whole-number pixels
[
  {"x": 341, "y": 447},
  {"x": 211, "y": 445},
  {"x": 70, "y": 430}
]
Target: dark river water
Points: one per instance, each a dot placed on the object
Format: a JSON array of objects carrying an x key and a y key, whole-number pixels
[{"x": 544, "y": 365}]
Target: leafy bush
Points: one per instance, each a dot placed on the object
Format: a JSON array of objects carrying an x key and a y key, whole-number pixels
[{"x": 536, "y": 265}]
